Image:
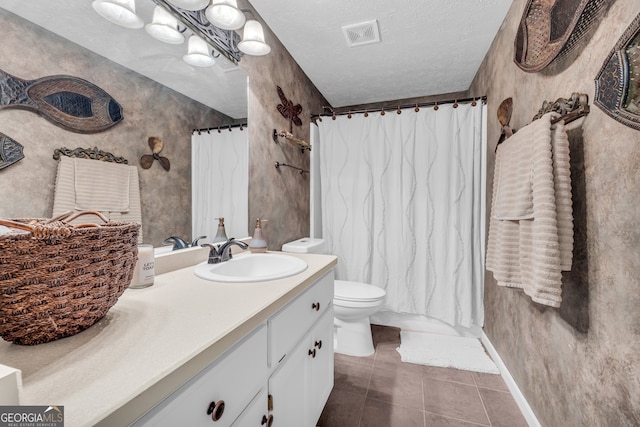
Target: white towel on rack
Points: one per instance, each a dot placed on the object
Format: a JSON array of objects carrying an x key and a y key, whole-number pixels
[
  {"x": 64, "y": 198},
  {"x": 101, "y": 186},
  {"x": 531, "y": 224}
]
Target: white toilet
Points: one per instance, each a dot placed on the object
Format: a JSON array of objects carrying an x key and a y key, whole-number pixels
[{"x": 353, "y": 303}]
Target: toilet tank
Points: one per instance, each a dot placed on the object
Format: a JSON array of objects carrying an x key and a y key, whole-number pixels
[{"x": 306, "y": 245}]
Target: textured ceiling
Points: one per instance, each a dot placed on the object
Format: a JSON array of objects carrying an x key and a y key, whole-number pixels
[{"x": 427, "y": 47}]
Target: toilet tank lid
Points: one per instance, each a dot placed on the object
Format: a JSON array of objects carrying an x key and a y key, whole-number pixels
[{"x": 305, "y": 245}]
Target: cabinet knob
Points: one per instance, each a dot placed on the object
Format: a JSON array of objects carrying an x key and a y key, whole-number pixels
[
  {"x": 318, "y": 344},
  {"x": 216, "y": 409},
  {"x": 312, "y": 353},
  {"x": 315, "y": 306},
  {"x": 267, "y": 420}
]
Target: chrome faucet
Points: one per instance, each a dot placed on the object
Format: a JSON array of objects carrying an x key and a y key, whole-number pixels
[
  {"x": 223, "y": 252},
  {"x": 179, "y": 243}
]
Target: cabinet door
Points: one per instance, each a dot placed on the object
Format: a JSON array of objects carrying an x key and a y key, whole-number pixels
[
  {"x": 256, "y": 414},
  {"x": 287, "y": 389},
  {"x": 293, "y": 321},
  {"x": 319, "y": 369}
]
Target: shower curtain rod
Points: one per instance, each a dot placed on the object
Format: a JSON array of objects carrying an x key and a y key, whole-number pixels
[
  {"x": 400, "y": 107},
  {"x": 220, "y": 128}
]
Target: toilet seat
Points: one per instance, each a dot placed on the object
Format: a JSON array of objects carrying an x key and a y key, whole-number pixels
[{"x": 348, "y": 291}]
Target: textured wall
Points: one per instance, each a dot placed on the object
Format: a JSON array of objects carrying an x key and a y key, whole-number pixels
[
  {"x": 577, "y": 366},
  {"x": 150, "y": 109},
  {"x": 281, "y": 196}
]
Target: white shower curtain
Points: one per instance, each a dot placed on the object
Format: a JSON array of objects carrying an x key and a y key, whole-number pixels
[
  {"x": 402, "y": 207},
  {"x": 219, "y": 183}
]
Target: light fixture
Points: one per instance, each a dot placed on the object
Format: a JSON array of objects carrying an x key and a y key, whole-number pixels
[
  {"x": 253, "y": 39},
  {"x": 120, "y": 12},
  {"x": 225, "y": 14},
  {"x": 198, "y": 54},
  {"x": 190, "y": 4},
  {"x": 164, "y": 27}
]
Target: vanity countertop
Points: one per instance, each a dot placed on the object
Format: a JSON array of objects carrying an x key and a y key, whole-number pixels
[{"x": 149, "y": 343}]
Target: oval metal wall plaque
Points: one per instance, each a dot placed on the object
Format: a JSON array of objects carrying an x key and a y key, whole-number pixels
[
  {"x": 550, "y": 29},
  {"x": 618, "y": 82},
  {"x": 69, "y": 102}
]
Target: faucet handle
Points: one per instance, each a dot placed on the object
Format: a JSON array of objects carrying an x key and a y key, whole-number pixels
[{"x": 214, "y": 255}]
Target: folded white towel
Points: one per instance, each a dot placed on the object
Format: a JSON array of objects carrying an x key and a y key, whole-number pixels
[
  {"x": 101, "y": 186},
  {"x": 64, "y": 198}
]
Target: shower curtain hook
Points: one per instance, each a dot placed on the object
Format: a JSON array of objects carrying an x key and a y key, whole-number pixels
[
  {"x": 349, "y": 115},
  {"x": 435, "y": 107},
  {"x": 366, "y": 114},
  {"x": 417, "y": 108},
  {"x": 218, "y": 129},
  {"x": 398, "y": 110},
  {"x": 455, "y": 103},
  {"x": 382, "y": 113},
  {"x": 474, "y": 103}
]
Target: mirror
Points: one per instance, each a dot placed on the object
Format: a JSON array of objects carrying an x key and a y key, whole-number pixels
[{"x": 222, "y": 86}]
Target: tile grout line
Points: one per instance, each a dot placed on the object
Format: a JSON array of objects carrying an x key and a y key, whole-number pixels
[
  {"x": 375, "y": 355},
  {"x": 484, "y": 407}
]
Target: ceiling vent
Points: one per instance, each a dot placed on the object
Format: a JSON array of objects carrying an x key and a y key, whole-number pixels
[{"x": 362, "y": 33}]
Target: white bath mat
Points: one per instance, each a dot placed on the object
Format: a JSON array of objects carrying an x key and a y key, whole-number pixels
[{"x": 445, "y": 351}]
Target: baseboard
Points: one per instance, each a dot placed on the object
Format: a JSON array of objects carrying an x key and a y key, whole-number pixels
[{"x": 526, "y": 410}]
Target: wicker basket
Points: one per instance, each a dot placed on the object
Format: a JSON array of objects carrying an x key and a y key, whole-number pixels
[{"x": 58, "y": 279}]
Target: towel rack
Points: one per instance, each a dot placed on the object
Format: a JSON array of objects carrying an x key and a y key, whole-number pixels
[
  {"x": 297, "y": 142},
  {"x": 89, "y": 153},
  {"x": 300, "y": 171},
  {"x": 570, "y": 109}
]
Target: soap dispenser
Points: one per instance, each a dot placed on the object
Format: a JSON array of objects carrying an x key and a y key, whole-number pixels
[
  {"x": 221, "y": 234},
  {"x": 258, "y": 242}
]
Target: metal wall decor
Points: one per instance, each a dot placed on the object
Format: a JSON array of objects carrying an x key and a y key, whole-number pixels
[
  {"x": 224, "y": 41},
  {"x": 69, "y": 102},
  {"x": 618, "y": 82},
  {"x": 10, "y": 151},
  {"x": 550, "y": 29},
  {"x": 288, "y": 110},
  {"x": 156, "y": 146}
]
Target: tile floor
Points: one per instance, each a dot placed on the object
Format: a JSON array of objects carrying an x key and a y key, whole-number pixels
[{"x": 381, "y": 391}]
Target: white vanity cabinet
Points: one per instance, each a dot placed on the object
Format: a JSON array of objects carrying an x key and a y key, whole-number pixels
[
  {"x": 279, "y": 375},
  {"x": 222, "y": 390},
  {"x": 301, "y": 356}
]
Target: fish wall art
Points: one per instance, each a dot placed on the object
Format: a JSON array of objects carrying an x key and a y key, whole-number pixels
[{"x": 69, "y": 102}]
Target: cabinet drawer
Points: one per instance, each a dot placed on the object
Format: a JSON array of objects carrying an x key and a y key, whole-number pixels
[
  {"x": 289, "y": 325},
  {"x": 235, "y": 377}
]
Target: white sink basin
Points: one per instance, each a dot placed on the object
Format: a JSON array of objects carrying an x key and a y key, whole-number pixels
[{"x": 252, "y": 268}]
